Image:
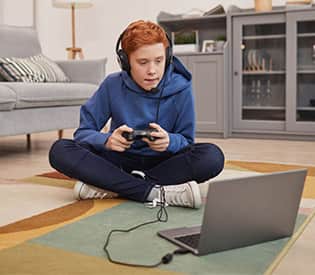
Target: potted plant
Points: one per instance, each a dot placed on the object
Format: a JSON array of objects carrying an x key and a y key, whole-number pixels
[{"x": 185, "y": 41}]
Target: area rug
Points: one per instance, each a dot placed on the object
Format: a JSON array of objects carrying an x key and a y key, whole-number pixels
[{"x": 66, "y": 237}]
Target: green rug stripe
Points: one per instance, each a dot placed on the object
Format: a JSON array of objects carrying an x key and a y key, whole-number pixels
[{"x": 143, "y": 246}]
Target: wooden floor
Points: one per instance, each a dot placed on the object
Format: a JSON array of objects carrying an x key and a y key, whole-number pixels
[{"x": 17, "y": 162}]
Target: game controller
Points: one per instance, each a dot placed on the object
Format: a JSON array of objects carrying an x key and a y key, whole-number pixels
[{"x": 139, "y": 134}]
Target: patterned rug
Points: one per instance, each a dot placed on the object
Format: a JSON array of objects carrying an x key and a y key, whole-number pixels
[{"x": 44, "y": 231}]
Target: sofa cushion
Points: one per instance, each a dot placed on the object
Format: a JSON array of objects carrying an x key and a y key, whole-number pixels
[
  {"x": 36, "y": 68},
  {"x": 18, "y": 41},
  {"x": 7, "y": 98},
  {"x": 2, "y": 79},
  {"x": 29, "y": 95}
]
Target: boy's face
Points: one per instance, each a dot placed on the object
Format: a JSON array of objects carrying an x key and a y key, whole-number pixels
[{"x": 147, "y": 65}]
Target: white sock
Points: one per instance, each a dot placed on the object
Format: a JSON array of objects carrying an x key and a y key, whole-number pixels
[{"x": 154, "y": 194}]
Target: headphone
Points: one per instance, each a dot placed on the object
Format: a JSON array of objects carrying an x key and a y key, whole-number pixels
[{"x": 122, "y": 56}]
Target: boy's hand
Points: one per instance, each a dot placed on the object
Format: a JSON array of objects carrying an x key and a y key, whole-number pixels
[
  {"x": 162, "y": 141},
  {"x": 116, "y": 142}
]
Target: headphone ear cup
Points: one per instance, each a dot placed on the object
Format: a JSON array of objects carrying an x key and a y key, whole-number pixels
[
  {"x": 123, "y": 61},
  {"x": 168, "y": 56},
  {"x": 168, "y": 52}
]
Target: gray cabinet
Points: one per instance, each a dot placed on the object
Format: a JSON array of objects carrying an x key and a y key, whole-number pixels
[
  {"x": 273, "y": 73},
  {"x": 207, "y": 70},
  {"x": 301, "y": 75},
  {"x": 208, "y": 87},
  {"x": 259, "y": 73},
  {"x": 263, "y": 83}
]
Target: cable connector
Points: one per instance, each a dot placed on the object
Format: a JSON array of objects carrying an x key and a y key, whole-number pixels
[
  {"x": 155, "y": 203},
  {"x": 181, "y": 251},
  {"x": 167, "y": 258}
]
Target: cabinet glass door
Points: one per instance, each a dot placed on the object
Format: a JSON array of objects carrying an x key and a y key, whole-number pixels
[
  {"x": 259, "y": 64},
  {"x": 301, "y": 79},
  {"x": 305, "y": 95},
  {"x": 263, "y": 72}
]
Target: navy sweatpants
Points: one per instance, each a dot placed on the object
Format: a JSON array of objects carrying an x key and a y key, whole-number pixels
[{"x": 110, "y": 170}]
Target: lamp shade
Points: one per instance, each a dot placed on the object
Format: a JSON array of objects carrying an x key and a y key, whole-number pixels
[{"x": 67, "y": 4}]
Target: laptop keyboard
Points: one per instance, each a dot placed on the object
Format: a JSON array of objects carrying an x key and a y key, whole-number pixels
[{"x": 190, "y": 240}]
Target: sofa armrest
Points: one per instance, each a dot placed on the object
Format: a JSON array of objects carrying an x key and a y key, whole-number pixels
[{"x": 90, "y": 71}]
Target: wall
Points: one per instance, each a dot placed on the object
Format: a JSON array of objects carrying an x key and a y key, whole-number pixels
[
  {"x": 1, "y": 12},
  {"x": 98, "y": 27},
  {"x": 17, "y": 12}
]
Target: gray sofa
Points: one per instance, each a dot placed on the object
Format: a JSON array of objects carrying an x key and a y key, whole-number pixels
[{"x": 27, "y": 108}]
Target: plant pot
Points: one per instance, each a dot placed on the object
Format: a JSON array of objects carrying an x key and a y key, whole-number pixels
[{"x": 186, "y": 48}]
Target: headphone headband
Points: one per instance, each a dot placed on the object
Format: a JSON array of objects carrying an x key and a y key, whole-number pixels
[{"x": 122, "y": 56}]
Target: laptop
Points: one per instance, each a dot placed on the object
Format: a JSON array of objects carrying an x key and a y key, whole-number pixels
[{"x": 242, "y": 212}]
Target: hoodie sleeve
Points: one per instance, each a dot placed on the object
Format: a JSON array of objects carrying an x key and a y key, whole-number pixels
[
  {"x": 183, "y": 133},
  {"x": 93, "y": 116}
]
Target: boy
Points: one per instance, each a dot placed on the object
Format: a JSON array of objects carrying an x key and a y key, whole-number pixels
[{"x": 153, "y": 91}]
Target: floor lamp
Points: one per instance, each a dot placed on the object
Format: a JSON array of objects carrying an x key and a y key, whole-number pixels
[{"x": 73, "y": 51}]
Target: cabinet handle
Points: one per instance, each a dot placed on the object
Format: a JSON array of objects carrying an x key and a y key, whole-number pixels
[{"x": 236, "y": 73}]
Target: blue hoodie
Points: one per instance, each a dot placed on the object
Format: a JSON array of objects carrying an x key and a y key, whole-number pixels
[{"x": 125, "y": 102}]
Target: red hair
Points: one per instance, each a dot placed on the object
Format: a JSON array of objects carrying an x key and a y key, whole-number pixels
[{"x": 141, "y": 33}]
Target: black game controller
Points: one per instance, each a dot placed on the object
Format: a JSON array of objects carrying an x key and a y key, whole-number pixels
[{"x": 139, "y": 134}]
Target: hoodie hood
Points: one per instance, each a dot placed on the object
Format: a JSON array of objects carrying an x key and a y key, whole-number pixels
[{"x": 175, "y": 79}]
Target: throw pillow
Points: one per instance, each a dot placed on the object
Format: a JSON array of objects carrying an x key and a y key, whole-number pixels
[
  {"x": 2, "y": 78},
  {"x": 36, "y": 68}
]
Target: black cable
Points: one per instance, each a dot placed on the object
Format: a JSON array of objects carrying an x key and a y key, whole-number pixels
[
  {"x": 159, "y": 218},
  {"x": 158, "y": 105}
]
